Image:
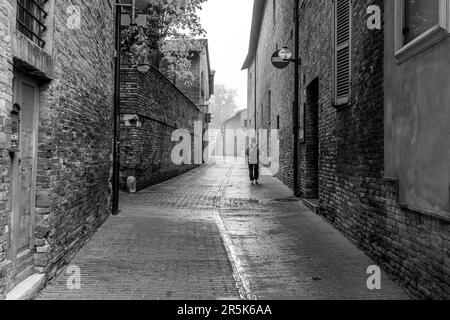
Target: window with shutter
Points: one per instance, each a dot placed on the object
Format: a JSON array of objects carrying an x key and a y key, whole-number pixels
[{"x": 342, "y": 51}]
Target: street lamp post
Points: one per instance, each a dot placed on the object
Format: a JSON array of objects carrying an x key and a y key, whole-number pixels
[
  {"x": 296, "y": 100},
  {"x": 116, "y": 140}
]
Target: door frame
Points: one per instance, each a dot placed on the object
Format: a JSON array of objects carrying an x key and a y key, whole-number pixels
[{"x": 18, "y": 80}]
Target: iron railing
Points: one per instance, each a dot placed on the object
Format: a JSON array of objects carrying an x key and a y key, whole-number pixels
[{"x": 31, "y": 20}]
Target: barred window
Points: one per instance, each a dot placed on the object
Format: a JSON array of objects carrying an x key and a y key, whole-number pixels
[{"x": 30, "y": 20}]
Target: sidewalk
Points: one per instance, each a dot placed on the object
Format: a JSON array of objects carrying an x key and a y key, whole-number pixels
[{"x": 209, "y": 234}]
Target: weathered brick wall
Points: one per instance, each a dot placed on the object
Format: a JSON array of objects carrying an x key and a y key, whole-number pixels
[
  {"x": 316, "y": 56},
  {"x": 6, "y": 78},
  {"x": 161, "y": 109},
  {"x": 75, "y": 135},
  {"x": 353, "y": 193},
  {"x": 73, "y": 192}
]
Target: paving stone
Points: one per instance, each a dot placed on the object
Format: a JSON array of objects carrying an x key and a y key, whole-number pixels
[{"x": 170, "y": 242}]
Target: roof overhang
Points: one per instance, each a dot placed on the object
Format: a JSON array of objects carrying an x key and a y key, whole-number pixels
[{"x": 258, "y": 14}]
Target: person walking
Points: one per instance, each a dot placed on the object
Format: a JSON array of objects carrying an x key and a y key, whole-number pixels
[{"x": 252, "y": 155}]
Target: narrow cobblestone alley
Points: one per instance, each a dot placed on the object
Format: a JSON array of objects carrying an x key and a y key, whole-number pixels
[{"x": 209, "y": 234}]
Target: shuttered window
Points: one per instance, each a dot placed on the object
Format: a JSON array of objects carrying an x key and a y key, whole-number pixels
[{"x": 342, "y": 63}]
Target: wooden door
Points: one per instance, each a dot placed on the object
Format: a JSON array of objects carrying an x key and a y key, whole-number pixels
[{"x": 23, "y": 179}]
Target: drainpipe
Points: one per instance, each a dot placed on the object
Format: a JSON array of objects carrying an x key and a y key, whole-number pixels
[
  {"x": 256, "y": 100},
  {"x": 116, "y": 154},
  {"x": 296, "y": 106}
]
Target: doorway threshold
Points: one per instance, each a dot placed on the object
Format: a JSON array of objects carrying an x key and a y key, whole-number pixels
[
  {"x": 28, "y": 288},
  {"x": 312, "y": 204}
]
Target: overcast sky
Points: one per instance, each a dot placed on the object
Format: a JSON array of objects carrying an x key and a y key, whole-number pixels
[{"x": 228, "y": 24}]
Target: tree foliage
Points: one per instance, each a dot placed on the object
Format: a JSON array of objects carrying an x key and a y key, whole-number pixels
[
  {"x": 223, "y": 105},
  {"x": 172, "y": 24}
]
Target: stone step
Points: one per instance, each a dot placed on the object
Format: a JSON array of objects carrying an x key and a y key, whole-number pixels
[
  {"x": 28, "y": 288},
  {"x": 312, "y": 204}
]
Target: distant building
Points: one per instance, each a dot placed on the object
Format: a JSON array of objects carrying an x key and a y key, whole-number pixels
[
  {"x": 202, "y": 88},
  {"x": 230, "y": 137}
]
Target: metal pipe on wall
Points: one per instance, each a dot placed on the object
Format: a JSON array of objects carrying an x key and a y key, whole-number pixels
[
  {"x": 296, "y": 104},
  {"x": 116, "y": 142}
]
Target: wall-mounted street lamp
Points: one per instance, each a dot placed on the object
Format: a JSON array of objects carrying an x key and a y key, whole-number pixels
[
  {"x": 282, "y": 58},
  {"x": 286, "y": 54}
]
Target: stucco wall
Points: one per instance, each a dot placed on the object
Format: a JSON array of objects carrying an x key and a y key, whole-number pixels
[{"x": 417, "y": 122}]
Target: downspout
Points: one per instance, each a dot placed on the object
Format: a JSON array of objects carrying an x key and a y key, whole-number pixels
[
  {"x": 116, "y": 160},
  {"x": 256, "y": 102},
  {"x": 296, "y": 105}
]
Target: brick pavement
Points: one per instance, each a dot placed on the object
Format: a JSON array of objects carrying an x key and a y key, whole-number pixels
[
  {"x": 209, "y": 232},
  {"x": 165, "y": 244},
  {"x": 285, "y": 251}
]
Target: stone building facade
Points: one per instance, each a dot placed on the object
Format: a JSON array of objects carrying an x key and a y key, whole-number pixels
[
  {"x": 56, "y": 113},
  {"x": 152, "y": 108},
  {"x": 202, "y": 87},
  {"x": 363, "y": 163},
  {"x": 270, "y": 90}
]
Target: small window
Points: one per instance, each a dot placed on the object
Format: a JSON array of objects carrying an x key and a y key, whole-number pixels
[
  {"x": 278, "y": 122},
  {"x": 31, "y": 20},
  {"x": 269, "y": 109},
  {"x": 342, "y": 53},
  {"x": 420, "y": 16},
  {"x": 202, "y": 85},
  {"x": 419, "y": 24},
  {"x": 262, "y": 116}
]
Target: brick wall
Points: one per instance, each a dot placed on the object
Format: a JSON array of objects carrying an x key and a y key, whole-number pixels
[
  {"x": 353, "y": 193},
  {"x": 5, "y": 107},
  {"x": 146, "y": 144},
  {"x": 411, "y": 244},
  {"x": 75, "y": 71},
  {"x": 75, "y": 135}
]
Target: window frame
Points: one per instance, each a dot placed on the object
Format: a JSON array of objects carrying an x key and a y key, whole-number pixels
[
  {"x": 34, "y": 25},
  {"x": 440, "y": 31}
]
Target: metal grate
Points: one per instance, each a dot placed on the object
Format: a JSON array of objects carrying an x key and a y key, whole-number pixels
[{"x": 30, "y": 20}]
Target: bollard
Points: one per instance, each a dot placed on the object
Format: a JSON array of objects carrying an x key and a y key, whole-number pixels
[{"x": 131, "y": 185}]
